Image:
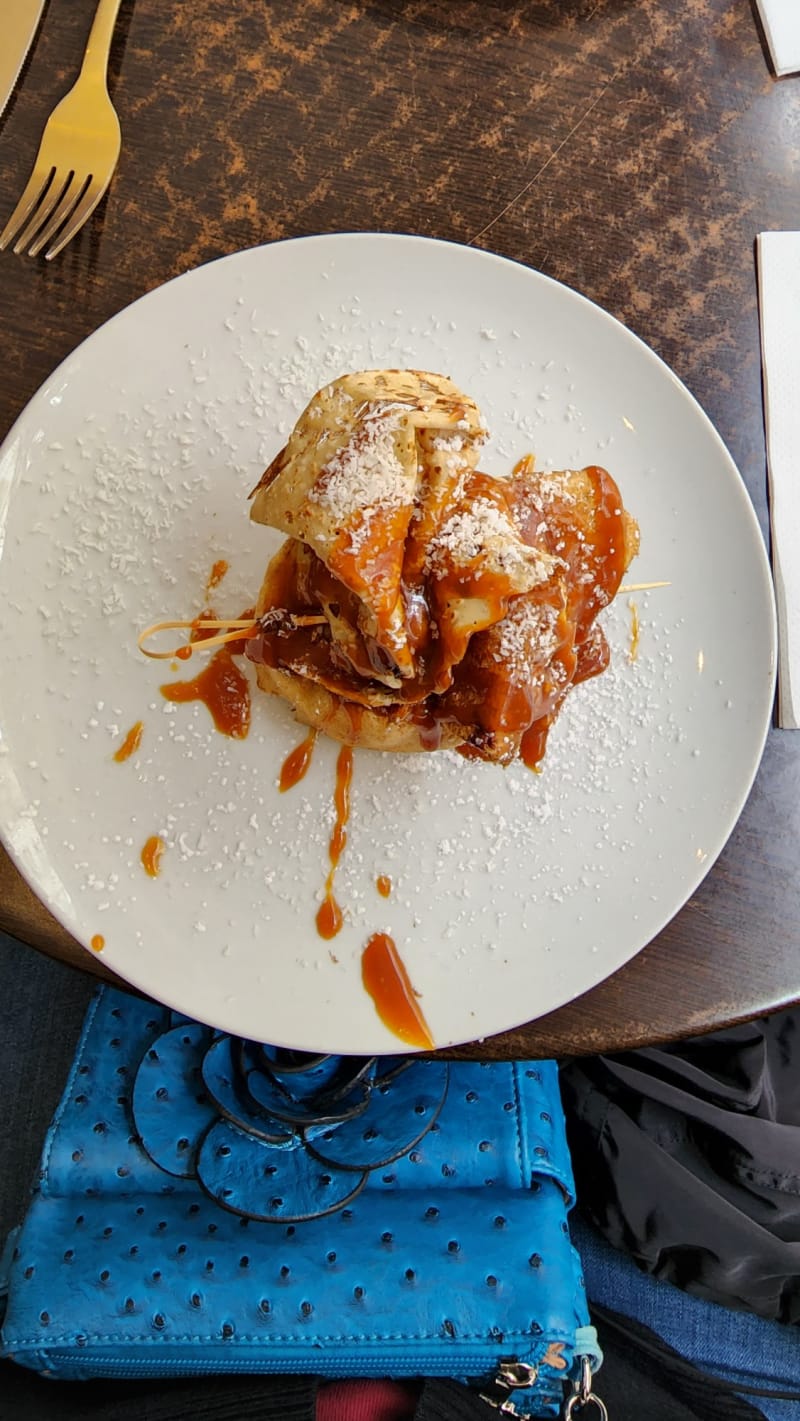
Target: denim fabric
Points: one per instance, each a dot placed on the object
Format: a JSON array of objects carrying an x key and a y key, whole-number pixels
[
  {"x": 736, "y": 1346},
  {"x": 42, "y": 1005}
]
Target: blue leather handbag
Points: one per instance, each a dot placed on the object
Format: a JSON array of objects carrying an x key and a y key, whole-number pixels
[{"x": 211, "y": 1205}]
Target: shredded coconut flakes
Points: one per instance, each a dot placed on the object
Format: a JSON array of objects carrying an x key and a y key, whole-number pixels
[
  {"x": 464, "y": 535},
  {"x": 483, "y": 528},
  {"x": 526, "y": 634},
  {"x": 365, "y": 474}
]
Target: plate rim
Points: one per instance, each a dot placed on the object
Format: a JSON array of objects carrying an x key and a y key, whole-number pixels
[{"x": 737, "y": 482}]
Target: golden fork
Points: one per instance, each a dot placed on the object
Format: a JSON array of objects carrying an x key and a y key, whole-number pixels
[{"x": 77, "y": 155}]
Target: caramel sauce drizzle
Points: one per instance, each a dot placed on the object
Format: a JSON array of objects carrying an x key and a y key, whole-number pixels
[
  {"x": 151, "y": 855},
  {"x": 386, "y": 979},
  {"x": 584, "y": 652},
  {"x": 297, "y": 762},
  {"x": 329, "y": 916},
  {"x": 97, "y": 943},
  {"x": 224, "y": 690},
  {"x": 131, "y": 743},
  {"x": 198, "y": 631},
  {"x": 221, "y": 685},
  {"x": 216, "y": 575}
]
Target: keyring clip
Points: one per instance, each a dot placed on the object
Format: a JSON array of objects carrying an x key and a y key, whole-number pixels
[{"x": 584, "y": 1396}]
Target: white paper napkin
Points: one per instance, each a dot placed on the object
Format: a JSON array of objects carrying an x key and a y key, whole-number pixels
[
  {"x": 781, "y": 21},
  {"x": 778, "y": 255}
]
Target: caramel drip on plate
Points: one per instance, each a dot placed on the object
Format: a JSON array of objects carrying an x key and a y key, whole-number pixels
[
  {"x": 329, "y": 917},
  {"x": 131, "y": 743},
  {"x": 221, "y": 685},
  {"x": 97, "y": 943},
  {"x": 224, "y": 690},
  {"x": 383, "y": 885},
  {"x": 151, "y": 855},
  {"x": 297, "y": 762},
  {"x": 384, "y": 975},
  {"x": 216, "y": 575}
]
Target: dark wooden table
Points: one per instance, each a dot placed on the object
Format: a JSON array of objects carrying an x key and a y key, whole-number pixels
[{"x": 631, "y": 150}]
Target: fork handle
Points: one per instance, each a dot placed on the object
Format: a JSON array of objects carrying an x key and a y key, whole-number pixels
[{"x": 98, "y": 45}]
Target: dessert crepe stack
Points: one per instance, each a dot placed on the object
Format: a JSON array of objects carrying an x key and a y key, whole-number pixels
[{"x": 426, "y": 603}]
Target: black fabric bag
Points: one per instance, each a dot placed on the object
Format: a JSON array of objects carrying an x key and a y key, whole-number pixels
[{"x": 687, "y": 1158}]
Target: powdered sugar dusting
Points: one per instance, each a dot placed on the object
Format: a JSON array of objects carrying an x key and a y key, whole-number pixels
[
  {"x": 365, "y": 475},
  {"x": 483, "y": 529},
  {"x": 463, "y": 536},
  {"x": 555, "y": 488},
  {"x": 525, "y": 636}
]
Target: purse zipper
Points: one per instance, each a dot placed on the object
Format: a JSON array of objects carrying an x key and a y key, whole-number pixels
[
  {"x": 360, "y": 1365},
  {"x": 510, "y": 1375}
]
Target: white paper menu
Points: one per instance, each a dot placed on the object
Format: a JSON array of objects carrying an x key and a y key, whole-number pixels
[
  {"x": 778, "y": 256},
  {"x": 781, "y": 21}
]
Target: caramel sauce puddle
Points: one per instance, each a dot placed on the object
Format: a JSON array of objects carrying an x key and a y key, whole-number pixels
[
  {"x": 131, "y": 743},
  {"x": 216, "y": 575},
  {"x": 386, "y": 979},
  {"x": 151, "y": 855},
  {"x": 222, "y": 686},
  {"x": 223, "y": 689},
  {"x": 297, "y": 762}
]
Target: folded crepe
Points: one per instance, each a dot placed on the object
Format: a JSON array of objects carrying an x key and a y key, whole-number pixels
[
  {"x": 426, "y": 603},
  {"x": 347, "y": 484}
]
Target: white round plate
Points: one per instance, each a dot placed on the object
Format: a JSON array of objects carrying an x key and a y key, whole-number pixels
[{"x": 127, "y": 477}]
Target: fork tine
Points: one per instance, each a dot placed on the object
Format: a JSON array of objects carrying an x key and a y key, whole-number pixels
[
  {"x": 82, "y": 136},
  {"x": 40, "y": 215},
  {"x": 34, "y": 188},
  {"x": 81, "y": 213},
  {"x": 69, "y": 198}
]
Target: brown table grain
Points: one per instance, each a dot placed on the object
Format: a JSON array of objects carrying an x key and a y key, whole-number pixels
[{"x": 631, "y": 150}]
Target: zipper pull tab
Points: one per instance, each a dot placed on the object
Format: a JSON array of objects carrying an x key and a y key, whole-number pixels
[{"x": 511, "y": 1375}]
